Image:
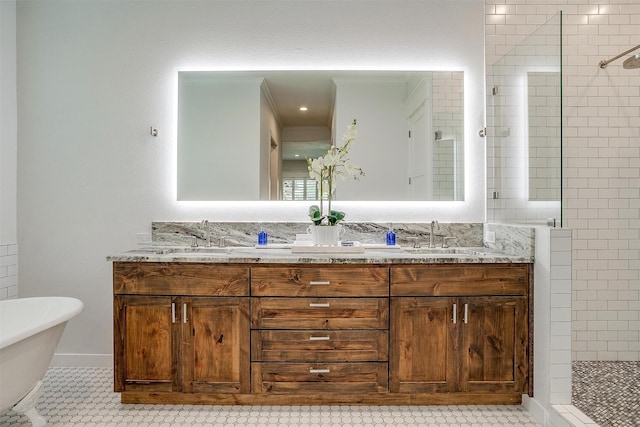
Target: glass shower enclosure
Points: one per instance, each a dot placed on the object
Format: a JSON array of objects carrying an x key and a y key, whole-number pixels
[{"x": 524, "y": 131}]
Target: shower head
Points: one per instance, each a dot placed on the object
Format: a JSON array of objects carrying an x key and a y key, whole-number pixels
[{"x": 632, "y": 62}]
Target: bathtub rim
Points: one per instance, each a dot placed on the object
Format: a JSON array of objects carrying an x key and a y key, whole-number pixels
[{"x": 66, "y": 308}]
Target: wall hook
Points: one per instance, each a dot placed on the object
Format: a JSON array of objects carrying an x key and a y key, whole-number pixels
[{"x": 153, "y": 131}]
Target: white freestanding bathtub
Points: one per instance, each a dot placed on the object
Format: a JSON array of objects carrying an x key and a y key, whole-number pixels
[{"x": 30, "y": 329}]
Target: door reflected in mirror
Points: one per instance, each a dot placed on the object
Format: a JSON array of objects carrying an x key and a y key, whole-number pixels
[{"x": 246, "y": 135}]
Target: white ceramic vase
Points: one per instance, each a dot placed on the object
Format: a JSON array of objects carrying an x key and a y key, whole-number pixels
[{"x": 326, "y": 235}]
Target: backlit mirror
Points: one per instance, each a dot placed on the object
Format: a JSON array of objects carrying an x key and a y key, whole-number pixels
[{"x": 246, "y": 135}]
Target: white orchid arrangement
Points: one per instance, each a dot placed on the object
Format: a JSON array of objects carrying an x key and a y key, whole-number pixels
[{"x": 325, "y": 169}]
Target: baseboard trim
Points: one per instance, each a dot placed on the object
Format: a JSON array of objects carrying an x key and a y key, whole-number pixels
[
  {"x": 536, "y": 409},
  {"x": 82, "y": 360}
]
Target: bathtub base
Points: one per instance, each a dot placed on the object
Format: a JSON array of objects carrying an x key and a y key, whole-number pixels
[{"x": 27, "y": 406}]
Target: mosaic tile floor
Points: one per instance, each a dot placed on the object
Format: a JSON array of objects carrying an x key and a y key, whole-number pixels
[
  {"x": 608, "y": 392},
  {"x": 84, "y": 397}
]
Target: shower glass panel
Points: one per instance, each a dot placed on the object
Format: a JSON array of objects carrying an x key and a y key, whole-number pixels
[{"x": 524, "y": 131}]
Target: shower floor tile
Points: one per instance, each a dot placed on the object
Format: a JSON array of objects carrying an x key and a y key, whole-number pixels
[
  {"x": 608, "y": 392},
  {"x": 84, "y": 397}
]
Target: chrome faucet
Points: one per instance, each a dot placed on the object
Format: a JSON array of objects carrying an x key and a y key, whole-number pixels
[
  {"x": 435, "y": 224},
  {"x": 207, "y": 233}
]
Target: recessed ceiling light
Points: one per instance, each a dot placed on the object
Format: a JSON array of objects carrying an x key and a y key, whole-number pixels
[
  {"x": 296, "y": 155},
  {"x": 303, "y": 108}
]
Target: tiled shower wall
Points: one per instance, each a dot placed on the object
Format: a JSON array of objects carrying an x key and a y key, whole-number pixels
[
  {"x": 8, "y": 271},
  {"x": 448, "y": 115},
  {"x": 601, "y": 161}
]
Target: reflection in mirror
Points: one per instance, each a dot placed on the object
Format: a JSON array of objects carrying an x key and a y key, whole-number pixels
[{"x": 243, "y": 135}]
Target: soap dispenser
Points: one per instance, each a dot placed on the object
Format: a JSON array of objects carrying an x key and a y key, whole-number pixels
[
  {"x": 262, "y": 237},
  {"x": 391, "y": 236}
]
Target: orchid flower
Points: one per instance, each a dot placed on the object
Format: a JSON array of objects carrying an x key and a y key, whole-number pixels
[{"x": 325, "y": 169}]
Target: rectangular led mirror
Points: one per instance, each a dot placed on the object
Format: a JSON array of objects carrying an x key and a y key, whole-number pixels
[{"x": 246, "y": 135}]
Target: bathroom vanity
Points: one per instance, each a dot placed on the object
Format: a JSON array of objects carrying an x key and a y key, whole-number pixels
[{"x": 272, "y": 327}]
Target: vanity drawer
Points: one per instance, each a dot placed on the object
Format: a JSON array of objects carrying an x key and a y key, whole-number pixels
[
  {"x": 320, "y": 345},
  {"x": 320, "y": 313},
  {"x": 180, "y": 279},
  {"x": 319, "y": 281},
  {"x": 460, "y": 280},
  {"x": 372, "y": 377}
]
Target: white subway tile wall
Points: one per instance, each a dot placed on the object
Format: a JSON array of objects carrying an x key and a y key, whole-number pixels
[
  {"x": 560, "y": 302},
  {"x": 601, "y": 161},
  {"x": 448, "y": 114},
  {"x": 8, "y": 271}
]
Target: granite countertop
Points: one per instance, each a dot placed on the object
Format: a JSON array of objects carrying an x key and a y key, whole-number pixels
[{"x": 284, "y": 254}]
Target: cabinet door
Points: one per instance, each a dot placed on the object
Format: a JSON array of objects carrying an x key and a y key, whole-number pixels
[
  {"x": 144, "y": 343},
  {"x": 493, "y": 344},
  {"x": 423, "y": 345},
  {"x": 215, "y": 356}
]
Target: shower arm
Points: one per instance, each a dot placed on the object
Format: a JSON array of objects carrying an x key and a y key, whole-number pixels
[{"x": 603, "y": 64}]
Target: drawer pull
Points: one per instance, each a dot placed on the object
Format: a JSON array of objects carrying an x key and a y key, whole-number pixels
[
  {"x": 466, "y": 313},
  {"x": 455, "y": 314},
  {"x": 319, "y": 371},
  {"x": 319, "y": 304},
  {"x": 184, "y": 313},
  {"x": 319, "y": 282},
  {"x": 324, "y": 338},
  {"x": 173, "y": 312}
]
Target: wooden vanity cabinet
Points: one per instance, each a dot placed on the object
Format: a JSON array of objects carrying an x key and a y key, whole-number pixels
[
  {"x": 322, "y": 333},
  {"x": 181, "y": 341},
  {"x": 443, "y": 340}
]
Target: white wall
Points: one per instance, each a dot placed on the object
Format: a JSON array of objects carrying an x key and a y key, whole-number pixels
[
  {"x": 381, "y": 125},
  {"x": 220, "y": 139},
  {"x": 8, "y": 148},
  {"x": 601, "y": 162},
  {"x": 94, "y": 76}
]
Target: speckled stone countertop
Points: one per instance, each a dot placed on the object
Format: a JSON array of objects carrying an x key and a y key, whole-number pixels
[{"x": 285, "y": 255}]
